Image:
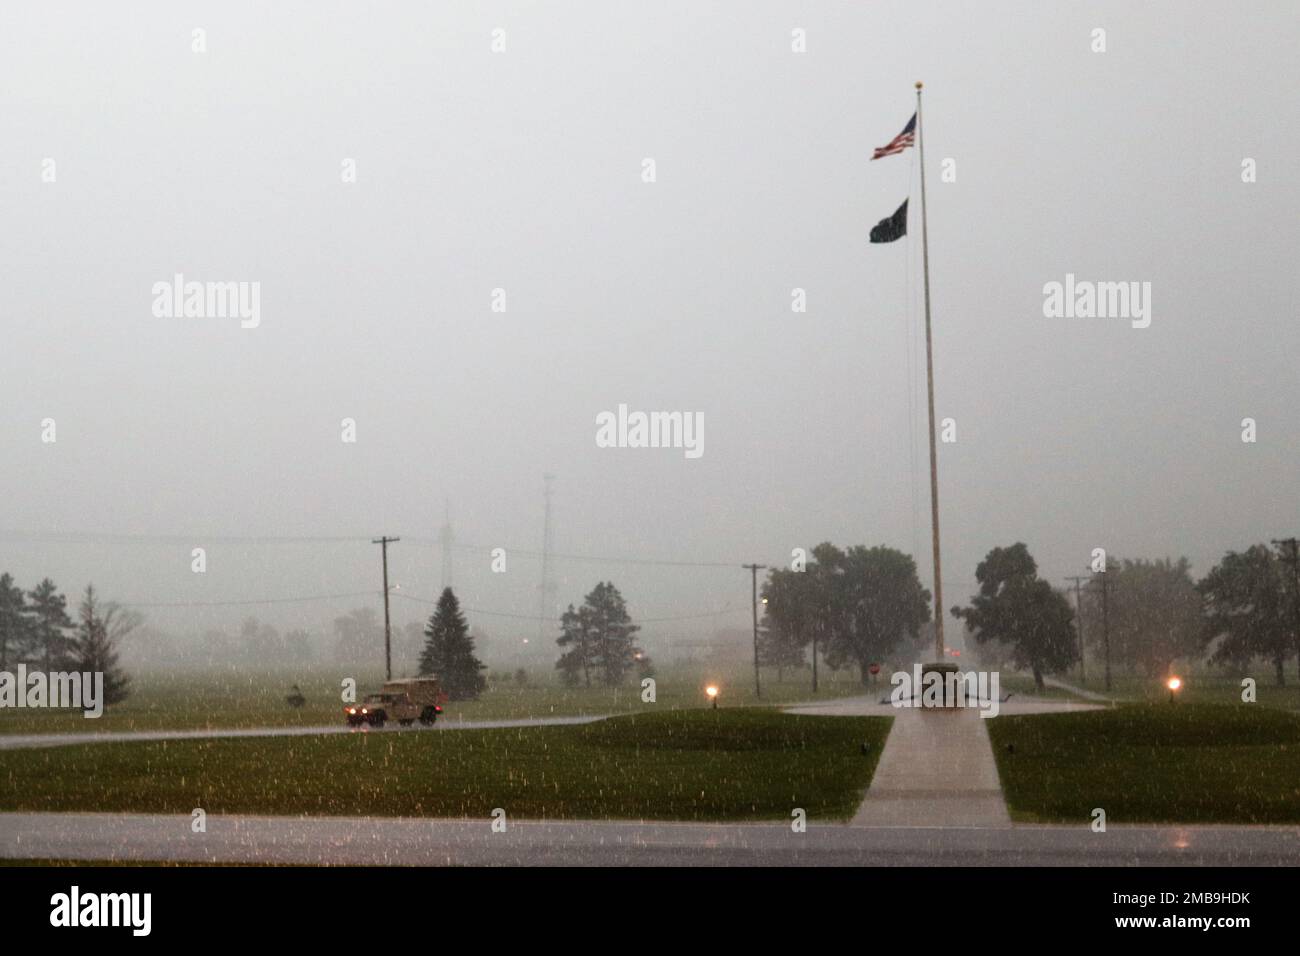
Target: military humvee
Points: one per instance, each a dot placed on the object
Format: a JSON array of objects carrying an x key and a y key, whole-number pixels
[{"x": 405, "y": 701}]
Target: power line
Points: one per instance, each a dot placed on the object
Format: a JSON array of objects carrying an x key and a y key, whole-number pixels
[
  {"x": 409, "y": 597},
  {"x": 108, "y": 537},
  {"x": 440, "y": 541},
  {"x": 92, "y": 537},
  {"x": 286, "y": 600},
  {"x": 556, "y": 620},
  {"x": 600, "y": 559}
]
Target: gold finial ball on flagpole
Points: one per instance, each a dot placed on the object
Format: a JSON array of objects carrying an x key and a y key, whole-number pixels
[{"x": 918, "y": 84}]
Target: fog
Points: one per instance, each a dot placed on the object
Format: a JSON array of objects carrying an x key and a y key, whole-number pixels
[{"x": 523, "y": 171}]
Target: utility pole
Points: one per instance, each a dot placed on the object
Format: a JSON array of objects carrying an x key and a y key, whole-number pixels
[
  {"x": 384, "y": 542},
  {"x": 546, "y": 600},
  {"x": 753, "y": 602},
  {"x": 1078, "y": 617},
  {"x": 1290, "y": 549},
  {"x": 1105, "y": 622},
  {"x": 816, "y": 627},
  {"x": 447, "y": 539}
]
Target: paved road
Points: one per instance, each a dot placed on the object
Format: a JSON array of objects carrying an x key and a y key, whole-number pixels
[
  {"x": 29, "y": 741},
  {"x": 839, "y": 707},
  {"x": 405, "y": 841}
]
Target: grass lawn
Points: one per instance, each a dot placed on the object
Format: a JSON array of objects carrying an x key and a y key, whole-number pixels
[
  {"x": 1022, "y": 685},
  {"x": 256, "y": 698},
  {"x": 1148, "y": 763},
  {"x": 729, "y": 764},
  {"x": 1198, "y": 688}
]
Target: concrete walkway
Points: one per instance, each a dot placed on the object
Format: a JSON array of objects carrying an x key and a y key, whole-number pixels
[
  {"x": 937, "y": 768},
  {"x": 875, "y": 707},
  {"x": 1078, "y": 691}
]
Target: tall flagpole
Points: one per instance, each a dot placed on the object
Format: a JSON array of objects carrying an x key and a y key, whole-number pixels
[{"x": 929, "y": 379}]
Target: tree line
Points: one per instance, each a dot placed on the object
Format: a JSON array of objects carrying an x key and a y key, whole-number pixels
[
  {"x": 37, "y": 632},
  {"x": 861, "y": 606}
]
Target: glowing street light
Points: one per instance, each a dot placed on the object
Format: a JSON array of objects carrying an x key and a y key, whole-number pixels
[
  {"x": 1175, "y": 684},
  {"x": 712, "y": 692}
]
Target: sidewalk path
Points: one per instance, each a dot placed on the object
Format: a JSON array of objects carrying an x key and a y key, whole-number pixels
[
  {"x": 1077, "y": 691},
  {"x": 937, "y": 768}
]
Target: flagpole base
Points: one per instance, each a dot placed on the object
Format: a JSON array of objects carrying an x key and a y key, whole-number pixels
[{"x": 942, "y": 668}]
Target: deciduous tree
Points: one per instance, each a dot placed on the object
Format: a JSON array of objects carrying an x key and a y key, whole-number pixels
[
  {"x": 1014, "y": 605},
  {"x": 1246, "y": 610}
]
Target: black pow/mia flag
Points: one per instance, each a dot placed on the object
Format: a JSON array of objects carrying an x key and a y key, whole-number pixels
[{"x": 895, "y": 227}]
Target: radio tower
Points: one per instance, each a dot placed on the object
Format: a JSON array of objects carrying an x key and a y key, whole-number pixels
[
  {"x": 446, "y": 539},
  {"x": 546, "y": 606}
]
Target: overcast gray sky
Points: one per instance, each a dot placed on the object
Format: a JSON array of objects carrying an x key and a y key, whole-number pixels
[{"x": 522, "y": 170}]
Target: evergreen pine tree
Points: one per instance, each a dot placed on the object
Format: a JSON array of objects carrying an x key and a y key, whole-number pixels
[
  {"x": 613, "y": 650},
  {"x": 50, "y": 626},
  {"x": 15, "y": 626},
  {"x": 449, "y": 651},
  {"x": 576, "y": 638},
  {"x": 99, "y": 629}
]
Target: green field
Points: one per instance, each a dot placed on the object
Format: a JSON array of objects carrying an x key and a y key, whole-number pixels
[
  {"x": 256, "y": 698},
  {"x": 1022, "y": 685},
  {"x": 737, "y": 764},
  {"x": 1198, "y": 688},
  {"x": 1148, "y": 763}
]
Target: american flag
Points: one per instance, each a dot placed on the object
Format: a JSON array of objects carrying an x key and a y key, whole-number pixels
[{"x": 900, "y": 142}]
